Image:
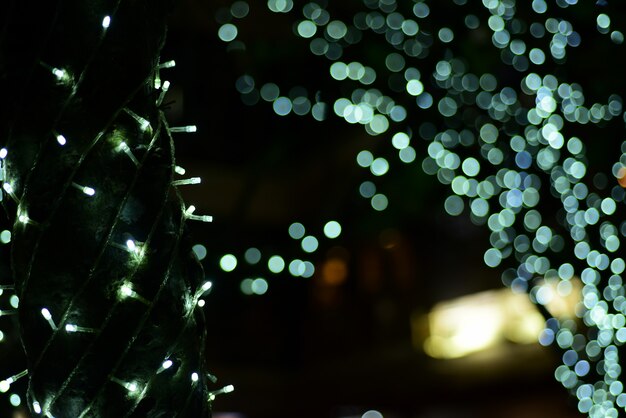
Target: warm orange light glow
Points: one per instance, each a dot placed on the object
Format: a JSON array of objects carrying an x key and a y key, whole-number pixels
[
  {"x": 621, "y": 177},
  {"x": 334, "y": 271}
]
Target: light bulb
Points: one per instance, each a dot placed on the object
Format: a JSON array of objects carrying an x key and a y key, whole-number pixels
[{"x": 106, "y": 22}]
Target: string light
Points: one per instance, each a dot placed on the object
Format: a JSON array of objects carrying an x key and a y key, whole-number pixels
[
  {"x": 10, "y": 191},
  {"x": 144, "y": 124},
  {"x": 179, "y": 170},
  {"x": 166, "y": 365},
  {"x": 167, "y": 64},
  {"x": 164, "y": 89},
  {"x": 60, "y": 139},
  {"x": 184, "y": 182},
  {"x": 126, "y": 290},
  {"x": 131, "y": 387},
  {"x": 225, "y": 389},
  {"x": 187, "y": 129},
  {"x": 82, "y": 148},
  {"x": 497, "y": 143},
  {"x": 123, "y": 146},
  {"x": 202, "y": 218},
  {"x": 106, "y": 22},
  {"x": 63, "y": 77},
  {"x": 71, "y": 328},
  {"x": 48, "y": 317},
  {"x": 85, "y": 189},
  {"x": 36, "y": 407},
  {"x": 5, "y": 385}
]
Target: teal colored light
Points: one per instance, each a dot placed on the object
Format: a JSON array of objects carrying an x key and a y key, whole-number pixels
[
  {"x": 5, "y": 236},
  {"x": 414, "y": 87},
  {"x": 379, "y": 166},
  {"x": 603, "y": 21},
  {"x": 537, "y": 56},
  {"x": 336, "y": 29},
  {"x": 252, "y": 255},
  {"x": 471, "y": 167},
  {"x": 259, "y": 286},
  {"x": 296, "y": 267},
  {"x": 270, "y": 92},
  {"x": 200, "y": 251},
  {"x": 454, "y": 205},
  {"x": 227, "y": 32},
  {"x": 493, "y": 257},
  {"x": 239, "y": 9},
  {"x": 276, "y": 264},
  {"x": 282, "y": 106},
  {"x": 296, "y": 230},
  {"x": 446, "y": 35},
  {"x": 307, "y": 29},
  {"x": 332, "y": 229},
  {"x": 246, "y": 286},
  {"x": 367, "y": 189},
  {"x": 309, "y": 244},
  {"x": 15, "y": 399},
  {"x": 228, "y": 262},
  {"x": 379, "y": 202}
]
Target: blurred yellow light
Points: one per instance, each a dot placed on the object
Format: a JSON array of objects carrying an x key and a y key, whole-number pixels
[{"x": 477, "y": 322}]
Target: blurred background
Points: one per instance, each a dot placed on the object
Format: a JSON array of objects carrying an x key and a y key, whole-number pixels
[{"x": 336, "y": 293}]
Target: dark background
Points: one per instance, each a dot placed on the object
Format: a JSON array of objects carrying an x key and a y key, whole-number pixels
[{"x": 311, "y": 347}]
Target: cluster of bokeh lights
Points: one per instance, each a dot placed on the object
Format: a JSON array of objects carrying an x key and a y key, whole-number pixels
[{"x": 504, "y": 145}]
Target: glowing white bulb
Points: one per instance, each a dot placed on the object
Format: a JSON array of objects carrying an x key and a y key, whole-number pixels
[
  {"x": 48, "y": 317},
  {"x": 188, "y": 129},
  {"x": 23, "y": 219},
  {"x": 179, "y": 170},
  {"x": 61, "y": 139},
  {"x": 46, "y": 314},
  {"x": 77, "y": 328},
  {"x": 201, "y": 303},
  {"x": 191, "y": 209},
  {"x": 10, "y": 191},
  {"x": 206, "y": 286},
  {"x": 126, "y": 290},
  {"x": 3, "y": 153},
  {"x": 36, "y": 407},
  {"x": 124, "y": 147},
  {"x": 194, "y": 377},
  {"x": 106, "y": 22},
  {"x": 225, "y": 389},
  {"x": 144, "y": 124},
  {"x": 61, "y": 75},
  {"x": 4, "y": 386},
  {"x": 132, "y": 387},
  {"x": 167, "y": 364},
  {"x": 132, "y": 247},
  {"x": 167, "y": 64},
  {"x": 89, "y": 191},
  {"x": 164, "y": 88}
]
